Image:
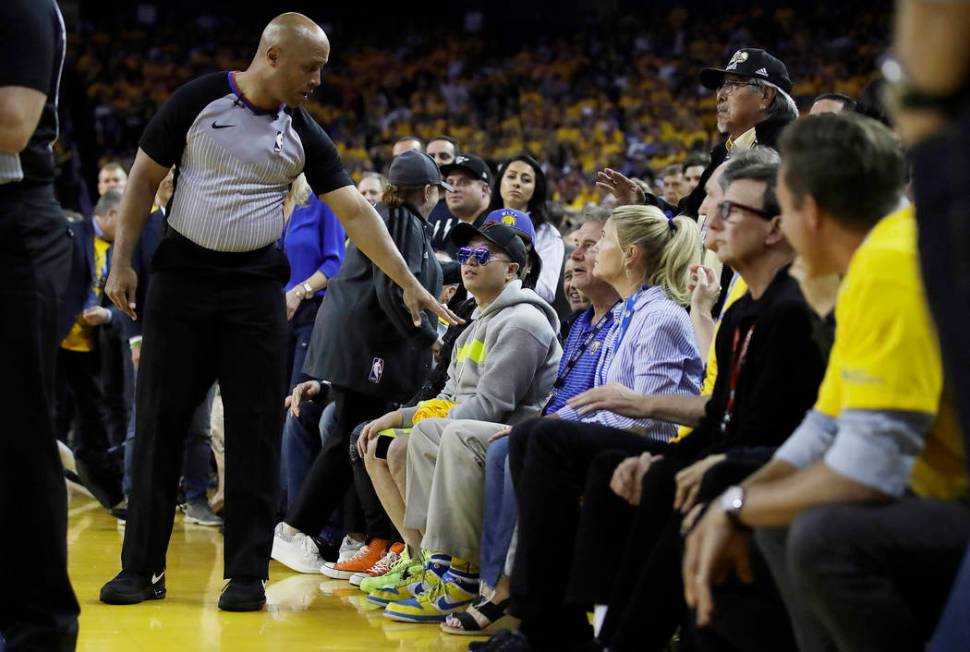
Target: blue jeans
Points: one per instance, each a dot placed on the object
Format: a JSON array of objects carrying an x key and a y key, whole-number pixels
[
  {"x": 302, "y": 439},
  {"x": 501, "y": 512},
  {"x": 198, "y": 451}
]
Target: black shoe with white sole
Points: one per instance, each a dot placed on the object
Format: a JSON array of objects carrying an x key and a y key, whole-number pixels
[
  {"x": 243, "y": 594},
  {"x": 131, "y": 588}
]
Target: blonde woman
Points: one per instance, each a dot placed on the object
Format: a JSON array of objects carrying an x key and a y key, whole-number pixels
[{"x": 650, "y": 349}]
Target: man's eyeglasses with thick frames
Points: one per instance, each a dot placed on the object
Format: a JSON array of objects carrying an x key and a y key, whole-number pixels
[{"x": 726, "y": 208}]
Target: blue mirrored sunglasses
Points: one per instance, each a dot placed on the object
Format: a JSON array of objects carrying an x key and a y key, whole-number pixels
[{"x": 482, "y": 255}]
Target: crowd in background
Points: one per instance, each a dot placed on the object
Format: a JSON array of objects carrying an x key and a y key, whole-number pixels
[
  {"x": 664, "y": 392},
  {"x": 624, "y": 97}
]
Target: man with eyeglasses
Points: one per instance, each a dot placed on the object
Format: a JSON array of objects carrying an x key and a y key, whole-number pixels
[{"x": 753, "y": 106}]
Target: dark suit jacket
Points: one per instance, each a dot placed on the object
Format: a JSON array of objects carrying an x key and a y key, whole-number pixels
[{"x": 82, "y": 275}]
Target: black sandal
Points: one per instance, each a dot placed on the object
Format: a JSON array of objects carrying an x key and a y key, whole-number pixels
[{"x": 494, "y": 614}]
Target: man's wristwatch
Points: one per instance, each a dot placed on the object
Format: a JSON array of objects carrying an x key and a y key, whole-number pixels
[
  {"x": 307, "y": 290},
  {"x": 732, "y": 502}
]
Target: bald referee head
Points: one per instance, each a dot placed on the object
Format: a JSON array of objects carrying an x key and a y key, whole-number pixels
[{"x": 292, "y": 50}]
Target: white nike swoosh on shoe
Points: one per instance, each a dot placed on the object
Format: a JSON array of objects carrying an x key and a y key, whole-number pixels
[{"x": 155, "y": 578}]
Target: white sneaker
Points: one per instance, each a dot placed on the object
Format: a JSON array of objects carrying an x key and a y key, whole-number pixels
[
  {"x": 297, "y": 551},
  {"x": 349, "y": 548}
]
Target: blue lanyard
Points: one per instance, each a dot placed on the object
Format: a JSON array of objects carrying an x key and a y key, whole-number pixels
[{"x": 628, "y": 311}]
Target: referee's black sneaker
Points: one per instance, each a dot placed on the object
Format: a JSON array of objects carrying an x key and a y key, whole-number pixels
[
  {"x": 243, "y": 594},
  {"x": 131, "y": 588}
]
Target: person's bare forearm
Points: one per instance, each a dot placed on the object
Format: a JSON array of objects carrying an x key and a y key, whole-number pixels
[
  {"x": 932, "y": 43},
  {"x": 367, "y": 230},
  {"x": 703, "y": 329},
  {"x": 20, "y": 110},
  {"x": 776, "y": 503},
  {"x": 676, "y": 408},
  {"x": 773, "y": 470}
]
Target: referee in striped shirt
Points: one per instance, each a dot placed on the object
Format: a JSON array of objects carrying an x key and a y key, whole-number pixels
[{"x": 216, "y": 310}]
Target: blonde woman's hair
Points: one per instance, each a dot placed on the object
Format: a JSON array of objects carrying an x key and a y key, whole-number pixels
[
  {"x": 300, "y": 191},
  {"x": 670, "y": 246}
]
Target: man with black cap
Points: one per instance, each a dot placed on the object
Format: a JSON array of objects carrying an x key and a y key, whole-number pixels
[
  {"x": 366, "y": 346},
  {"x": 468, "y": 202},
  {"x": 753, "y": 106},
  {"x": 502, "y": 373}
]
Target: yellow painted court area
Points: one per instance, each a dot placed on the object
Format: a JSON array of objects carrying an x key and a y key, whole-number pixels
[{"x": 303, "y": 612}]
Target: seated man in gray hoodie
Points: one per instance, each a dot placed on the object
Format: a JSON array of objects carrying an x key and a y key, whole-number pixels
[{"x": 502, "y": 372}]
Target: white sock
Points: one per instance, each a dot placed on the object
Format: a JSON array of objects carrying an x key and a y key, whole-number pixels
[{"x": 599, "y": 615}]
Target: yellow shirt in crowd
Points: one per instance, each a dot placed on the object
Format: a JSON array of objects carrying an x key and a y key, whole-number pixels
[
  {"x": 886, "y": 355},
  {"x": 81, "y": 337}
]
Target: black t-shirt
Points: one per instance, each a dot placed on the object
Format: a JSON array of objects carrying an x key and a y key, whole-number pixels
[
  {"x": 441, "y": 221},
  {"x": 235, "y": 162},
  {"x": 32, "y": 38}
]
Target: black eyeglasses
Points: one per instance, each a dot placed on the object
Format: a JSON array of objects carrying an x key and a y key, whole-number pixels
[
  {"x": 481, "y": 255},
  {"x": 732, "y": 85},
  {"x": 725, "y": 208}
]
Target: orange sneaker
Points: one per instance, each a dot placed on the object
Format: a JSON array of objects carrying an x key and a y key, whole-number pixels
[
  {"x": 359, "y": 563},
  {"x": 382, "y": 567}
]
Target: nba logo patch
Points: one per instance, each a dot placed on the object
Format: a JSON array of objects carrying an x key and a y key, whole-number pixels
[
  {"x": 376, "y": 370},
  {"x": 278, "y": 147}
]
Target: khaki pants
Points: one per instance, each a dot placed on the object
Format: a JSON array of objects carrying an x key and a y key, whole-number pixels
[{"x": 446, "y": 484}]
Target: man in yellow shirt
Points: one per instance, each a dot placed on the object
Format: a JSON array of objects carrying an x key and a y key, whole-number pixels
[
  {"x": 78, "y": 361},
  {"x": 859, "y": 515}
]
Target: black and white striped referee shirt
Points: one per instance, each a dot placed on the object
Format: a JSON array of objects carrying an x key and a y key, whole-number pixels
[{"x": 235, "y": 162}]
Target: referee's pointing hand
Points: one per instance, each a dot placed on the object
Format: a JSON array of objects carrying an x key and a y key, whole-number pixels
[
  {"x": 416, "y": 298},
  {"x": 120, "y": 288}
]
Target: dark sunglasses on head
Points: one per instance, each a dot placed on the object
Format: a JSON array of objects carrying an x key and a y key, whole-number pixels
[{"x": 482, "y": 255}]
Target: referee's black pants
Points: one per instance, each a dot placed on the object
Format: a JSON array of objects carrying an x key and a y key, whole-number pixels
[
  {"x": 38, "y": 610},
  {"x": 210, "y": 316}
]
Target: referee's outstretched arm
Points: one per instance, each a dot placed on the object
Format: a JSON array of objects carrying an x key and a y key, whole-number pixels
[{"x": 367, "y": 230}]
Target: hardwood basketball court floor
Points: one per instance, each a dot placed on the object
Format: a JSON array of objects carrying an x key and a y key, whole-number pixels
[{"x": 303, "y": 612}]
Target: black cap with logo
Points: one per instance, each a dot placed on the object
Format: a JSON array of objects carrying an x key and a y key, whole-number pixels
[
  {"x": 475, "y": 166},
  {"x": 752, "y": 63},
  {"x": 498, "y": 234}
]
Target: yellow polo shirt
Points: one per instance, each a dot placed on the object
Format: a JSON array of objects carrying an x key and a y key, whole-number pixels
[{"x": 886, "y": 354}]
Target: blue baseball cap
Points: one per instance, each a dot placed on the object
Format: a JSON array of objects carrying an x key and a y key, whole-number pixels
[{"x": 515, "y": 220}]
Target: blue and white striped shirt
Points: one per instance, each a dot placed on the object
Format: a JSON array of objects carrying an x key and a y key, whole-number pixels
[
  {"x": 657, "y": 355},
  {"x": 583, "y": 374}
]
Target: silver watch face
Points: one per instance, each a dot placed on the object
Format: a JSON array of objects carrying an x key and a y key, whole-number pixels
[{"x": 732, "y": 500}]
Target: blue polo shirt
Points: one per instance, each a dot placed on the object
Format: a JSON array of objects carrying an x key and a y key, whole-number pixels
[
  {"x": 582, "y": 376},
  {"x": 313, "y": 241}
]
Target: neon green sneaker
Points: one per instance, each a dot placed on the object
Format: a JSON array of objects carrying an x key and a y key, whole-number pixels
[
  {"x": 409, "y": 583},
  {"x": 403, "y": 567},
  {"x": 434, "y": 604}
]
